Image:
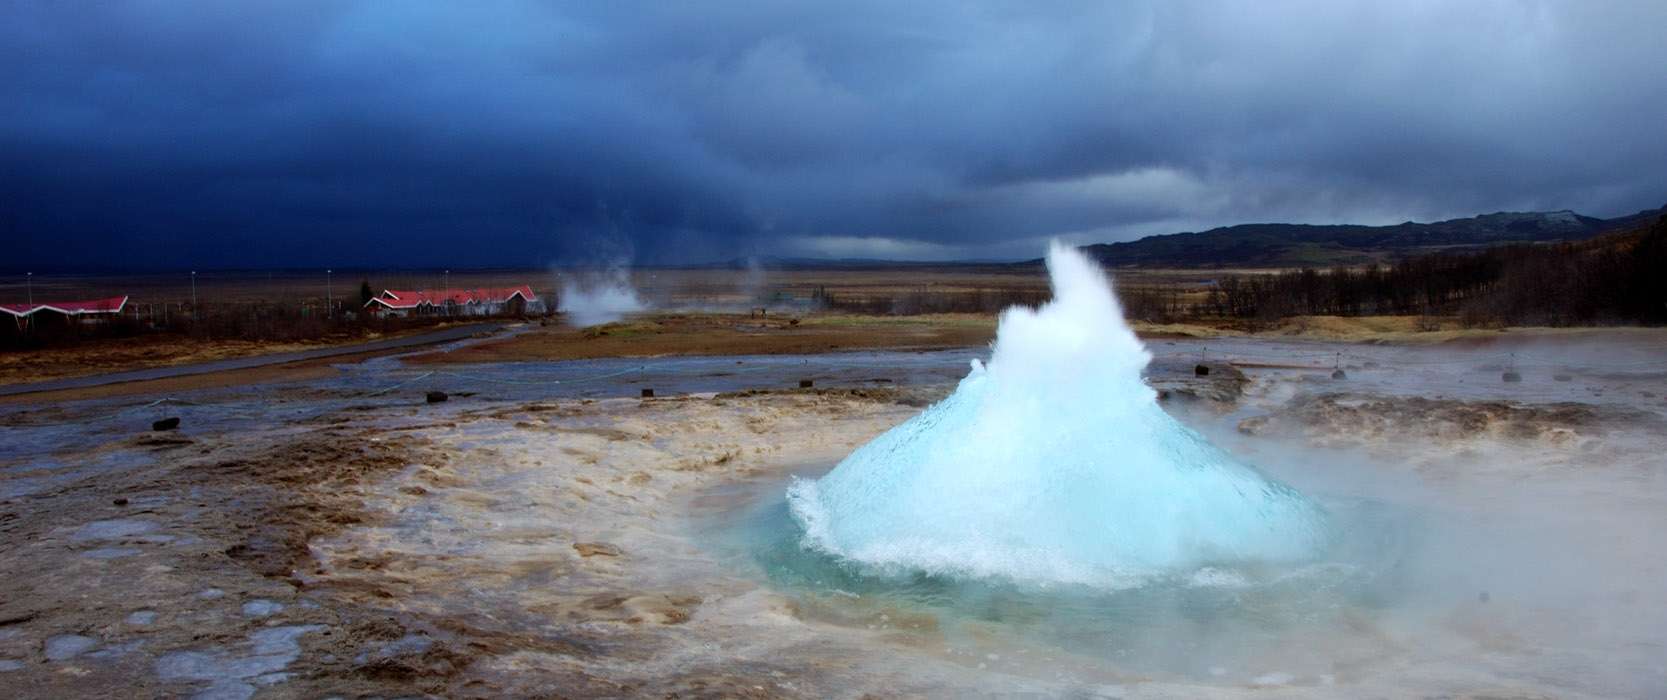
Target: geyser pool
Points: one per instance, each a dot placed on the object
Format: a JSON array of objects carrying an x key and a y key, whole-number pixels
[
  {"x": 1243, "y": 620},
  {"x": 1054, "y": 464}
]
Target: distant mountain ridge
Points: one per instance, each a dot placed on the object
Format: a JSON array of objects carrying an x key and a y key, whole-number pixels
[{"x": 1294, "y": 245}]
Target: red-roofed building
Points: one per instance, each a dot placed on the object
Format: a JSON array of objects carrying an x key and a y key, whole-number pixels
[
  {"x": 85, "y": 310},
  {"x": 457, "y": 302}
]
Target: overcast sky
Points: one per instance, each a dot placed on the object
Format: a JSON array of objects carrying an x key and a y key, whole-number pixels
[{"x": 288, "y": 133}]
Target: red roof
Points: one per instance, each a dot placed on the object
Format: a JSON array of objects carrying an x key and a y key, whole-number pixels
[
  {"x": 113, "y": 305},
  {"x": 397, "y": 299}
]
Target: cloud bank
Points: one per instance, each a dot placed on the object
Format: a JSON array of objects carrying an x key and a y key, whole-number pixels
[{"x": 402, "y": 134}]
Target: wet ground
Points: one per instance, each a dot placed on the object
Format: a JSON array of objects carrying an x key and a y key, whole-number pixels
[{"x": 545, "y": 530}]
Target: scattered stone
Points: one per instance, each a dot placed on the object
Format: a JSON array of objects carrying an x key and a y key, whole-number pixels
[
  {"x": 591, "y": 549},
  {"x": 1222, "y": 387},
  {"x": 141, "y": 617},
  {"x": 68, "y": 646},
  {"x": 165, "y": 424},
  {"x": 437, "y": 397},
  {"x": 271, "y": 651},
  {"x": 261, "y": 608},
  {"x": 211, "y": 594}
]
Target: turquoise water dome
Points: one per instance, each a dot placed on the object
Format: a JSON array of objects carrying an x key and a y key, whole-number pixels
[{"x": 1053, "y": 464}]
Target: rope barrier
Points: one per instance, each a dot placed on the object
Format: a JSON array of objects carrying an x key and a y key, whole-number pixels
[
  {"x": 401, "y": 384},
  {"x": 541, "y": 382}
]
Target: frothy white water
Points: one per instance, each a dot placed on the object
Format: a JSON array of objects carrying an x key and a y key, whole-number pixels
[
  {"x": 602, "y": 299},
  {"x": 1053, "y": 463}
]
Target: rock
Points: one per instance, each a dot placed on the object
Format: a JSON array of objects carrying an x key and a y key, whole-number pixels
[
  {"x": 165, "y": 424},
  {"x": 806, "y": 383},
  {"x": 1201, "y": 370},
  {"x": 141, "y": 617},
  {"x": 68, "y": 646},
  {"x": 591, "y": 549},
  {"x": 261, "y": 608},
  {"x": 1339, "y": 374},
  {"x": 437, "y": 397},
  {"x": 648, "y": 393},
  {"x": 411, "y": 656},
  {"x": 119, "y": 502},
  {"x": 1510, "y": 376}
]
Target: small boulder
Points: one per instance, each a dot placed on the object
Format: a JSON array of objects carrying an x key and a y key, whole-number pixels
[
  {"x": 1511, "y": 377},
  {"x": 165, "y": 424},
  {"x": 1201, "y": 370},
  {"x": 437, "y": 397}
]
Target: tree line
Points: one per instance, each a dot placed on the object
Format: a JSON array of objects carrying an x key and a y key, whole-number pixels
[{"x": 1620, "y": 278}]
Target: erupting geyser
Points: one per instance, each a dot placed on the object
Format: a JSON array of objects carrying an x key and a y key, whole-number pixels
[{"x": 1054, "y": 463}]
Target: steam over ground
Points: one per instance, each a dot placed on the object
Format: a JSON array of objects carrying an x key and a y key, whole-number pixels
[{"x": 592, "y": 299}]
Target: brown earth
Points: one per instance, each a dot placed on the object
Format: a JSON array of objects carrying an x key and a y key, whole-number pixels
[
  {"x": 728, "y": 334},
  {"x": 191, "y": 571},
  {"x": 289, "y": 372},
  {"x": 160, "y": 350}
]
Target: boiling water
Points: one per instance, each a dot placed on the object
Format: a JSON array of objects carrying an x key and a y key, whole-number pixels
[
  {"x": 1054, "y": 465},
  {"x": 1241, "y": 620}
]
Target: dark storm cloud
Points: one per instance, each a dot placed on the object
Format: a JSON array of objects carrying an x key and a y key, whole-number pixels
[{"x": 289, "y": 133}]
